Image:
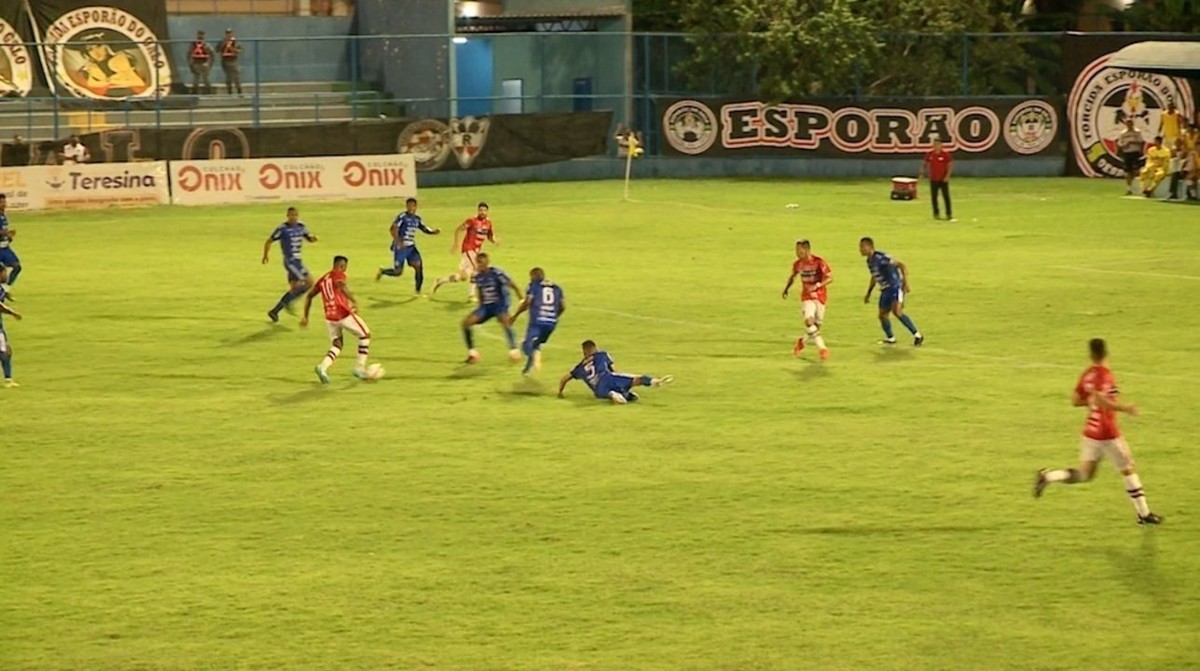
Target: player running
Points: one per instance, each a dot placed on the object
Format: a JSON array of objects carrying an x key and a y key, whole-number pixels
[
  {"x": 492, "y": 285},
  {"x": 600, "y": 375},
  {"x": 290, "y": 235},
  {"x": 6, "y": 348},
  {"x": 474, "y": 232},
  {"x": 892, "y": 278},
  {"x": 8, "y": 258},
  {"x": 815, "y": 276},
  {"x": 404, "y": 244},
  {"x": 544, "y": 300},
  {"x": 1097, "y": 389},
  {"x": 340, "y": 315}
]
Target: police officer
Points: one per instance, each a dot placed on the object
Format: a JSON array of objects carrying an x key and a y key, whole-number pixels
[
  {"x": 200, "y": 58},
  {"x": 229, "y": 50}
]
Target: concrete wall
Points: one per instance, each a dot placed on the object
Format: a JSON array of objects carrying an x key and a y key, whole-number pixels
[
  {"x": 316, "y": 48},
  {"x": 657, "y": 167},
  {"x": 549, "y": 63}
]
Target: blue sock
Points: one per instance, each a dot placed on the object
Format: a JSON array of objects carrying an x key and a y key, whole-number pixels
[
  {"x": 908, "y": 324},
  {"x": 469, "y": 337},
  {"x": 7, "y": 363},
  {"x": 13, "y": 274},
  {"x": 512, "y": 338},
  {"x": 646, "y": 380},
  {"x": 390, "y": 272},
  {"x": 887, "y": 328},
  {"x": 420, "y": 278}
]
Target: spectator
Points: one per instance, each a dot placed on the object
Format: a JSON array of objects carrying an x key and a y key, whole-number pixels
[
  {"x": 230, "y": 50},
  {"x": 1131, "y": 144},
  {"x": 1158, "y": 160},
  {"x": 16, "y": 152},
  {"x": 939, "y": 164},
  {"x": 1177, "y": 170},
  {"x": 74, "y": 152},
  {"x": 1191, "y": 163},
  {"x": 1171, "y": 124},
  {"x": 200, "y": 57}
]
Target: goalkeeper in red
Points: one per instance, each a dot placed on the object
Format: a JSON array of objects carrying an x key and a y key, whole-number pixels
[{"x": 815, "y": 276}]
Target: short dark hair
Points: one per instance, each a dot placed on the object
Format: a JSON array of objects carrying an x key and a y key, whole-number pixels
[
  {"x": 292, "y": 209},
  {"x": 1098, "y": 349},
  {"x": 481, "y": 255},
  {"x": 483, "y": 204},
  {"x": 340, "y": 259},
  {"x": 2, "y": 196},
  {"x": 1158, "y": 138},
  {"x": 411, "y": 200},
  {"x": 803, "y": 242},
  {"x": 867, "y": 240},
  {"x": 538, "y": 271},
  {"x": 589, "y": 344}
]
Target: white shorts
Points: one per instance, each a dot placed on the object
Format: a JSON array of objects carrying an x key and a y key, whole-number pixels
[
  {"x": 352, "y": 323},
  {"x": 3, "y": 341},
  {"x": 1116, "y": 450},
  {"x": 814, "y": 310},
  {"x": 466, "y": 263}
]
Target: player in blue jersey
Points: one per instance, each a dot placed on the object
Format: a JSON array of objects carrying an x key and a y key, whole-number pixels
[
  {"x": 544, "y": 300},
  {"x": 491, "y": 287},
  {"x": 290, "y": 235},
  {"x": 600, "y": 375},
  {"x": 8, "y": 258},
  {"x": 6, "y": 348},
  {"x": 892, "y": 278},
  {"x": 404, "y": 244}
]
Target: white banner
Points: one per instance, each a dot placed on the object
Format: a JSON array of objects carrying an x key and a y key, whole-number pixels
[
  {"x": 48, "y": 187},
  {"x": 252, "y": 180}
]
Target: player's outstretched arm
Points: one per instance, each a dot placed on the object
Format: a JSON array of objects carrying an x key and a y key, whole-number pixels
[
  {"x": 458, "y": 233},
  {"x": 4, "y": 309},
  {"x": 516, "y": 289},
  {"x": 562, "y": 307},
  {"x": 1113, "y": 403},
  {"x": 395, "y": 231},
  {"x": 310, "y": 237},
  {"x": 788, "y": 287},
  {"x": 349, "y": 296},
  {"x": 521, "y": 308},
  {"x": 562, "y": 384}
]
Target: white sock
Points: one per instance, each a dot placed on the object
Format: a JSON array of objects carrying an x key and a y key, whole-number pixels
[
  {"x": 1060, "y": 475},
  {"x": 1133, "y": 486},
  {"x": 364, "y": 348},
  {"x": 330, "y": 357}
]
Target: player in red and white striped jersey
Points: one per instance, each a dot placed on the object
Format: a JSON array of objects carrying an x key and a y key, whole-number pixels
[
  {"x": 340, "y": 315},
  {"x": 474, "y": 232},
  {"x": 1097, "y": 390}
]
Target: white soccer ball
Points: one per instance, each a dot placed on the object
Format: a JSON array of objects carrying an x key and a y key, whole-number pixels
[
  {"x": 375, "y": 371},
  {"x": 473, "y": 356}
]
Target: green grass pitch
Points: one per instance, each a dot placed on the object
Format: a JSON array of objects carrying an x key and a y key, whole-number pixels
[{"x": 177, "y": 492}]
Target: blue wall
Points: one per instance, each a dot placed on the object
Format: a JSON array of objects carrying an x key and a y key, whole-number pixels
[
  {"x": 313, "y": 52},
  {"x": 473, "y": 62}
]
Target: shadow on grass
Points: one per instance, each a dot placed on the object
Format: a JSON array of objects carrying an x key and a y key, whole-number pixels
[
  {"x": 267, "y": 333},
  {"x": 867, "y": 530},
  {"x": 809, "y": 370},
  {"x": 527, "y": 388},
  {"x": 384, "y": 303},
  {"x": 1138, "y": 569},
  {"x": 893, "y": 354},
  {"x": 306, "y": 395}
]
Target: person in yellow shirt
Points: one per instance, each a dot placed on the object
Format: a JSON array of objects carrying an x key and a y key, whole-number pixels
[
  {"x": 1158, "y": 161},
  {"x": 1171, "y": 125}
]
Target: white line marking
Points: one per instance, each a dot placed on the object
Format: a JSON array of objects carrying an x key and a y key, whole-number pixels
[{"x": 1105, "y": 271}]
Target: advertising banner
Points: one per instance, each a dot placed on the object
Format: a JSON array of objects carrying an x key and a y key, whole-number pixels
[
  {"x": 237, "y": 181},
  {"x": 462, "y": 143},
  {"x": 104, "y": 50},
  {"x": 1102, "y": 98},
  {"x": 45, "y": 187},
  {"x": 986, "y": 128},
  {"x": 16, "y": 57}
]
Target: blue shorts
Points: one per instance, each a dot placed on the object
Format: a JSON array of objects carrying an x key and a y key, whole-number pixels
[
  {"x": 618, "y": 382},
  {"x": 891, "y": 296},
  {"x": 403, "y": 255},
  {"x": 486, "y": 312},
  {"x": 8, "y": 257},
  {"x": 538, "y": 333},
  {"x": 296, "y": 272}
]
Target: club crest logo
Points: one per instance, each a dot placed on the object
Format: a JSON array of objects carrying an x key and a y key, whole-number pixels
[
  {"x": 1103, "y": 98},
  {"x": 467, "y": 136},
  {"x": 16, "y": 64},
  {"x": 428, "y": 141},
  {"x": 1031, "y": 127},
  {"x": 105, "y": 53},
  {"x": 691, "y": 127}
]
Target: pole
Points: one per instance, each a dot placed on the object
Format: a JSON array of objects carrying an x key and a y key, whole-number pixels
[{"x": 633, "y": 149}]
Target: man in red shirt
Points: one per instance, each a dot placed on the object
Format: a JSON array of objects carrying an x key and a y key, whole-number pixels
[
  {"x": 815, "y": 276},
  {"x": 340, "y": 315},
  {"x": 474, "y": 232},
  {"x": 938, "y": 165},
  {"x": 1097, "y": 390}
]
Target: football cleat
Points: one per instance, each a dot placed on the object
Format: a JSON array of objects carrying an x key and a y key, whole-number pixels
[
  {"x": 378, "y": 274},
  {"x": 273, "y": 316},
  {"x": 359, "y": 373},
  {"x": 918, "y": 340},
  {"x": 322, "y": 375},
  {"x": 825, "y": 354},
  {"x": 888, "y": 342},
  {"x": 1039, "y": 483},
  {"x": 799, "y": 348},
  {"x": 514, "y": 355},
  {"x": 10, "y": 383},
  {"x": 617, "y": 398},
  {"x": 1150, "y": 519},
  {"x": 632, "y": 397},
  {"x": 472, "y": 356}
]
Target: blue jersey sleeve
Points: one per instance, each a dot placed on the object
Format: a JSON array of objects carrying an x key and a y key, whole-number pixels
[
  {"x": 578, "y": 373},
  {"x": 603, "y": 362},
  {"x": 277, "y": 233}
]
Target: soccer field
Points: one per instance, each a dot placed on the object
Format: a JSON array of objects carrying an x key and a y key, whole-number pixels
[{"x": 178, "y": 491}]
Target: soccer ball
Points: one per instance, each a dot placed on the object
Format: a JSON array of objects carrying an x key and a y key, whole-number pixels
[
  {"x": 473, "y": 356},
  {"x": 374, "y": 372},
  {"x": 514, "y": 355}
]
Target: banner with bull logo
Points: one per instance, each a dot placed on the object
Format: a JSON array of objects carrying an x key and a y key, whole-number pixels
[
  {"x": 107, "y": 50},
  {"x": 989, "y": 128},
  {"x": 1103, "y": 98},
  {"x": 17, "y": 67},
  {"x": 466, "y": 143}
]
